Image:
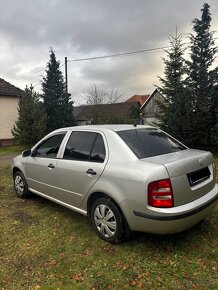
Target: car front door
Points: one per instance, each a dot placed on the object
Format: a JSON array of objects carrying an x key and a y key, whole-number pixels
[
  {"x": 41, "y": 165},
  {"x": 83, "y": 162}
]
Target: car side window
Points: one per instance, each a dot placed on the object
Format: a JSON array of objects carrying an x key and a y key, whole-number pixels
[
  {"x": 49, "y": 148},
  {"x": 98, "y": 150},
  {"x": 85, "y": 146}
]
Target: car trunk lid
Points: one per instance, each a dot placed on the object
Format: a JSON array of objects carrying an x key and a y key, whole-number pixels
[{"x": 191, "y": 172}]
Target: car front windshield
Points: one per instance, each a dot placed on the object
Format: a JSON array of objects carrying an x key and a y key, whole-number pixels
[{"x": 150, "y": 142}]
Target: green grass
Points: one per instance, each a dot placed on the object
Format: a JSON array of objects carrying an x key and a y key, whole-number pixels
[
  {"x": 46, "y": 246},
  {"x": 11, "y": 150}
]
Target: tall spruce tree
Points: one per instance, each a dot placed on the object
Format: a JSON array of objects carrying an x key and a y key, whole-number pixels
[
  {"x": 57, "y": 103},
  {"x": 215, "y": 114},
  {"x": 202, "y": 78},
  {"x": 176, "y": 109},
  {"x": 31, "y": 123}
]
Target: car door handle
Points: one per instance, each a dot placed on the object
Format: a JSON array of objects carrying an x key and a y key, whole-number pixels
[
  {"x": 91, "y": 171},
  {"x": 51, "y": 165}
]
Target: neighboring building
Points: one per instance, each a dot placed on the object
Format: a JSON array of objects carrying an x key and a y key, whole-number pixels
[
  {"x": 150, "y": 109},
  {"x": 138, "y": 108},
  {"x": 120, "y": 113},
  {"x": 9, "y": 96},
  {"x": 140, "y": 99}
]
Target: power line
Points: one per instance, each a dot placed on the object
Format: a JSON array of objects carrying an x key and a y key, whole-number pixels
[
  {"x": 125, "y": 53},
  {"x": 120, "y": 54},
  {"x": 24, "y": 76},
  {"x": 106, "y": 56},
  {"x": 36, "y": 84},
  {"x": 102, "y": 57},
  {"x": 40, "y": 81}
]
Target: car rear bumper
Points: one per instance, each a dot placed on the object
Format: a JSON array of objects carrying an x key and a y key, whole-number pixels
[{"x": 170, "y": 220}]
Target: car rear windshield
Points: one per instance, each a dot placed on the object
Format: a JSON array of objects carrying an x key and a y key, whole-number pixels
[{"x": 149, "y": 142}]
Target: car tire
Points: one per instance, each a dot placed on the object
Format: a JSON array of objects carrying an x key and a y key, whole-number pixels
[
  {"x": 107, "y": 220},
  {"x": 20, "y": 185}
]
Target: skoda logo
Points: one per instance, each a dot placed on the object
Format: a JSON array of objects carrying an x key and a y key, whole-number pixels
[{"x": 200, "y": 161}]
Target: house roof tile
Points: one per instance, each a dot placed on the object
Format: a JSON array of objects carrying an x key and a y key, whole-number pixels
[
  {"x": 138, "y": 99},
  {"x": 7, "y": 89}
]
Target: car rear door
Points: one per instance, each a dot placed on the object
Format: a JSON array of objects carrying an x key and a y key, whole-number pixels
[{"x": 83, "y": 162}]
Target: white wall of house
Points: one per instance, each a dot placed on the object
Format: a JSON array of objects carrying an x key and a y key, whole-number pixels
[
  {"x": 151, "y": 121},
  {"x": 151, "y": 109},
  {"x": 8, "y": 115}
]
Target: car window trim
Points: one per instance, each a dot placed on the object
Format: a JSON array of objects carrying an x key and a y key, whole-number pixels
[
  {"x": 44, "y": 140},
  {"x": 74, "y": 131},
  {"x": 93, "y": 148},
  {"x": 93, "y": 131}
]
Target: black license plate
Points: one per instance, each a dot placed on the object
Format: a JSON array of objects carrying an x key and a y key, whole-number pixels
[{"x": 198, "y": 176}]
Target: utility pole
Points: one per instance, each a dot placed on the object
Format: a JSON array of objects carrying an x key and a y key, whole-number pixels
[{"x": 66, "y": 80}]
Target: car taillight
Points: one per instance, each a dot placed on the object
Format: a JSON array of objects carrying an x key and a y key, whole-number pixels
[{"x": 160, "y": 193}]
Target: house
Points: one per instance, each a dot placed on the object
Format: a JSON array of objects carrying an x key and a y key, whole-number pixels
[
  {"x": 150, "y": 109},
  {"x": 9, "y": 96},
  {"x": 140, "y": 99},
  {"x": 138, "y": 108},
  {"x": 120, "y": 113}
]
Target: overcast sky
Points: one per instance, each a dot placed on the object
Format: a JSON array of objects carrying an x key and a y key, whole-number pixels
[{"x": 81, "y": 29}]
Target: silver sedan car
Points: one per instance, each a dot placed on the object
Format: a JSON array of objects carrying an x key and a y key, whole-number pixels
[{"x": 123, "y": 177}]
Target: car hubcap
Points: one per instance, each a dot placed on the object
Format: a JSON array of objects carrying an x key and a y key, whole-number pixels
[
  {"x": 19, "y": 184},
  {"x": 105, "y": 221}
]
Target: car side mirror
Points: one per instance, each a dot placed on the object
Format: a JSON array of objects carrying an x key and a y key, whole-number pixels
[{"x": 27, "y": 153}]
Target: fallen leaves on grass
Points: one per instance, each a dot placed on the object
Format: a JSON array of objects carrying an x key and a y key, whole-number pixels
[
  {"x": 123, "y": 265},
  {"x": 137, "y": 281},
  {"x": 109, "y": 249},
  {"x": 86, "y": 252},
  {"x": 78, "y": 277}
]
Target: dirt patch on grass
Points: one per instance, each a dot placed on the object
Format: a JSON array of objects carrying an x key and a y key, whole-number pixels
[
  {"x": 5, "y": 170},
  {"x": 7, "y": 159},
  {"x": 23, "y": 217},
  {"x": 2, "y": 188}
]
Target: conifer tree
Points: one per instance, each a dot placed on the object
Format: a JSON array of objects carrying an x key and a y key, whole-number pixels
[
  {"x": 215, "y": 114},
  {"x": 57, "y": 103},
  {"x": 31, "y": 123},
  {"x": 202, "y": 78},
  {"x": 175, "y": 109}
]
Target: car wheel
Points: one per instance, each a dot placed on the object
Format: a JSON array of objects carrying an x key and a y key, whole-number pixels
[
  {"x": 20, "y": 185},
  {"x": 107, "y": 220}
]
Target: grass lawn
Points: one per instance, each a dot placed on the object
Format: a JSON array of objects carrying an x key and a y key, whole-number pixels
[
  {"x": 11, "y": 150},
  {"x": 46, "y": 246}
]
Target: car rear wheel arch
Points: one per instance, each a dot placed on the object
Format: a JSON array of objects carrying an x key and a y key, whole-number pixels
[
  {"x": 92, "y": 198},
  {"x": 99, "y": 195}
]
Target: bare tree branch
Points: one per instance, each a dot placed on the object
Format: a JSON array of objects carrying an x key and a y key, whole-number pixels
[{"x": 95, "y": 95}]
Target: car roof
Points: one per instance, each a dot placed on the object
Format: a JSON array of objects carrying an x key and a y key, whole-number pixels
[{"x": 112, "y": 127}]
